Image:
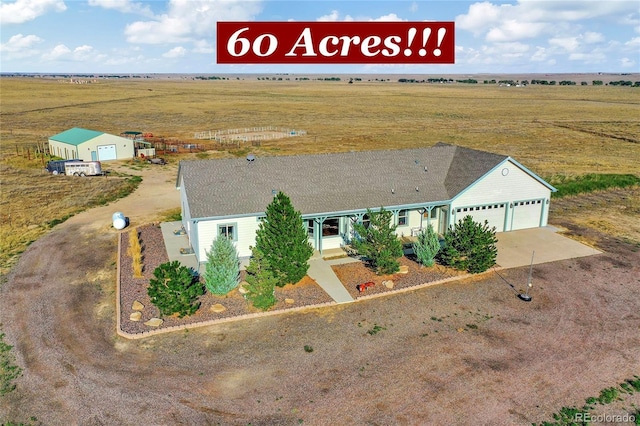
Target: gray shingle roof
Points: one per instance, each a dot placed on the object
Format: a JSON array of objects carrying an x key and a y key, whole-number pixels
[{"x": 337, "y": 182}]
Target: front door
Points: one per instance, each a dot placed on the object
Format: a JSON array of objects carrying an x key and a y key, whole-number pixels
[{"x": 94, "y": 156}]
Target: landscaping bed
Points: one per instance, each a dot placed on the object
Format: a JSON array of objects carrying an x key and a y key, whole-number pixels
[
  {"x": 353, "y": 274},
  {"x": 304, "y": 293}
]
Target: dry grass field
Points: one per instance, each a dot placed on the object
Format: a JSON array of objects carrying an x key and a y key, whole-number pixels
[{"x": 552, "y": 130}]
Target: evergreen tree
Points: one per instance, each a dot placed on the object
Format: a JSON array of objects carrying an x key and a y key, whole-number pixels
[
  {"x": 469, "y": 246},
  {"x": 223, "y": 267},
  {"x": 427, "y": 246},
  {"x": 282, "y": 238},
  {"x": 378, "y": 242},
  {"x": 175, "y": 289},
  {"x": 260, "y": 281}
]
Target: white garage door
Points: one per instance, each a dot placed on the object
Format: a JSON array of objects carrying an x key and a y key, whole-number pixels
[
  {"x": 106, "y": 152},
  {"x": 526, "y": 214},
  {"x": 492, "y": 213}
]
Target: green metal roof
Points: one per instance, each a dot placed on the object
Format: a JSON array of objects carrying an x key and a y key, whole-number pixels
[{"x": 75, "y": 136}]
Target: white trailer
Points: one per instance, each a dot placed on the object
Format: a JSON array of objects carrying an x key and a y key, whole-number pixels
[{"x": 83, "y": 168}]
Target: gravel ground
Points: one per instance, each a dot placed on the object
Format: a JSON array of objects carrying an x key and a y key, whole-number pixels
[{"x": 304, "y": 293}]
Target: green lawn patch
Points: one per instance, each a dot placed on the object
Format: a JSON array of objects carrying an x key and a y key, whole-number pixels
[{"x": 573, "y": 185}]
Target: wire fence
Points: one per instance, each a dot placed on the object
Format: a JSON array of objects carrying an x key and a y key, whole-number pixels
[{"x": 249, "y": 134}]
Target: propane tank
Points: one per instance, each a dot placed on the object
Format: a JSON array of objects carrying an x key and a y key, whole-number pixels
[{"x": 119, "y": 221}]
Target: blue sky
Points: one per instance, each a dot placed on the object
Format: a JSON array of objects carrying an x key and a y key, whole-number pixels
[{"x": 178, "y": 36}]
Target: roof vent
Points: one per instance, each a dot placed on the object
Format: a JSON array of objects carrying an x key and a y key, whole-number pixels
[
  {"x": 393, "y": 191},
  {"x": 251, "y": 158},
  {"x": 417, "y": 189},
  {"x": 425, "y": 168},
  {"x": 417, "y": 161}
]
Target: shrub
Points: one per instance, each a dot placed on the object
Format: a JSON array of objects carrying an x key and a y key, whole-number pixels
[
  {"x": 427, "y": 246},
  {"x": 283, "y": 240},
  {"x": 175, "y": 289},
  {"x": 8, "y": 370},
  {"x": 378, "y": 242},
  {"x": 261, "y": 281},
  {"x": 223, "y": 268},
  {"x": 469, "y": 246},
  {"x": 135, "y": 251}
]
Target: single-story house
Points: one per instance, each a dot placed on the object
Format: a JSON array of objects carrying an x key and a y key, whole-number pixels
[
  {"x": 90, "y": 145},
  {"x": 423, "y": 187}
]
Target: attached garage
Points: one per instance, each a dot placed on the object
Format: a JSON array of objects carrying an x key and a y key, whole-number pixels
[
  {"x": 494, "y": 214},
  {"x": 90, "y": 145},
  {"x": 527, "y": 214}
]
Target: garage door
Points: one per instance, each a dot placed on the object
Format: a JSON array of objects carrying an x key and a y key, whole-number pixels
[
  {"x": 526, "y": 214},
  {"x": 492, "y": 213},
  {"x": 106, "y": 152}
]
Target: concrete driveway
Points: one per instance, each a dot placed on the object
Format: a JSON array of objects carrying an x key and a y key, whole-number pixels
[{"x": 515, "y": 248}]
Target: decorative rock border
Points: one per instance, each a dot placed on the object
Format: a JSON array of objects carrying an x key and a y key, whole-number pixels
[{"x": 171, "y": 329}]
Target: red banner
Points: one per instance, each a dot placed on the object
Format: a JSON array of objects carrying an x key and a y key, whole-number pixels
[{"x": 335, "y": 43}]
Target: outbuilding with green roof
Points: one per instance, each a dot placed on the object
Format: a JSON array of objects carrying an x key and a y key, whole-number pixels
[{"x": 90, "y": 145}]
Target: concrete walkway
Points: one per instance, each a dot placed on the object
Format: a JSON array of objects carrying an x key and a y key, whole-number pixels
[
  {"x": 321, "y": 272},
  {"x": 516, "y": 247},
  {"x": 174, "y": 242}
]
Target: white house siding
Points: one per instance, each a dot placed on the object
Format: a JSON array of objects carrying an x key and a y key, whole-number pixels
[
  {"x": 498, "y": 189},
  {"x": 245, "y": 227}
]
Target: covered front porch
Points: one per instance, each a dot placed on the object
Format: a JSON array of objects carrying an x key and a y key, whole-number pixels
[{"x": 333, "y": 233}]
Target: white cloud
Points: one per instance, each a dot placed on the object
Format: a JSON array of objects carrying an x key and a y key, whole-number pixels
[
  {"x": 202, "y": 46},
  {"x": 333, "y": 17},
  {"x": 187, "y": 19},
  {"x": 176, "y": 52},
  {"x": 512, "y": 30},
  {"x": 391, "y": 17},
  {"x": 529, "y": 19},
  {"x": 627, "y": 63},
  {"x": 569, "y": 44},
  {"x": 19, "y": 42},
  {"x": 124, "y": 6},
  {"x": 591, "y": 37},
  {"x": 414, "y": 7},
  {"x": 634, "y": 43},
  {"x": 21, "y": 11},
  {"x": 59, "y": 52}
]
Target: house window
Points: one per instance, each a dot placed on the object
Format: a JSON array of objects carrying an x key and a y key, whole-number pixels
[
  {"x": 402, "y": 217},
  {"x": 330, "y": 227},
  {"x": 228, "y": 231},
  {"x": 366, "y": 221},
  {"x": 310, "y": 223}
]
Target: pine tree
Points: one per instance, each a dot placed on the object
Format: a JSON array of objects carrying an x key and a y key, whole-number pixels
[
  {"x": 427, "y": 246},
  {"x": 282, "y": 238},
  {"x": 469, "y": 246},
  {"x": 175, "y": 289},
  {"x": 378, "y": 242},
  {"x": 260, "y": 281},
  {"x": 223, "y": 268}
]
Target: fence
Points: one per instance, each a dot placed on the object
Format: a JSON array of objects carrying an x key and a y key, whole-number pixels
[{"x": 249, "y": 134}]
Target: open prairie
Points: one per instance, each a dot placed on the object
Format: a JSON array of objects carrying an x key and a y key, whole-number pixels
[
  {"x": 550, "y": 129},
  {"x": 464, "y": 353}
]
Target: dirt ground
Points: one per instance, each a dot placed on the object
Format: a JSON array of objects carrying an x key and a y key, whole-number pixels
[{"x": 468, "y": 352}]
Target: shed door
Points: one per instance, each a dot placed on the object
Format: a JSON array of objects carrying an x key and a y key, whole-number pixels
[
  {"x": 526, "y": 214},
  {"x": 493, "y": 213},
  {"x": 106, "y": 152}
]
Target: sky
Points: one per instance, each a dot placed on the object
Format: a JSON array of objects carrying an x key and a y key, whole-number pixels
[{"x": 178, "y": 36}]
